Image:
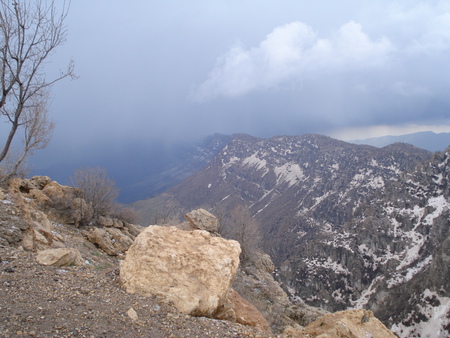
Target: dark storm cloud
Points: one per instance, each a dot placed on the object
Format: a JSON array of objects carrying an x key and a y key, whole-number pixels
[
  {"x": 349, "y": 77},
  {"x": 170, "y": 71}
]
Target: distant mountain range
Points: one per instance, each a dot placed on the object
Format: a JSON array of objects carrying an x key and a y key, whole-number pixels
[
  {"x": 427, "y": 140},
  {"x": 347, "y": 225}
]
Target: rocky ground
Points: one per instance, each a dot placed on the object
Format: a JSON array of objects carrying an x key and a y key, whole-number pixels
[{"x": 87, "y": 301}]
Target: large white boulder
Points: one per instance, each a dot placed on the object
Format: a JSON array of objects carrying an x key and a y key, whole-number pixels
[{"x": 190, "y": 269}]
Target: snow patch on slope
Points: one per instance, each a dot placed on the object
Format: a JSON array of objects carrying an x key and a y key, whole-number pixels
[
  {"x": 255, "y": 161},
  {"x": 290, "y": 173},
  {"x": 366, "y": 294},
  {"x": 440, "y": 205},
  {"x": 435, "y": 309},
  {"x": 400, "y": 278}
]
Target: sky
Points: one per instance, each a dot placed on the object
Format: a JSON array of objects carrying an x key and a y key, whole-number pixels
[{"x": 169, "y": 71}]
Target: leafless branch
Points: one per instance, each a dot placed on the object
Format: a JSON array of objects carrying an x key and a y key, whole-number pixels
[
  {"x": 97, "y": 189},
  {"x": 30, "y": 31}
]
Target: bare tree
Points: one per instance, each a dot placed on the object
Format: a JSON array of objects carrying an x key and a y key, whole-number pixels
[
  {"x": 97, "y": 189},
  {"x": 37, "y": 131},
  {"x": 244, "y": 228},
  {"x": 30, "y": 31}
]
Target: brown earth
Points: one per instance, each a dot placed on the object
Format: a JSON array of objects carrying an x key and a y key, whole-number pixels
[{"x": 87, "y": 301}]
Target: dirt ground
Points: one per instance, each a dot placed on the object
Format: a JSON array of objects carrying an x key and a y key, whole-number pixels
[{"x": 87, "y": 301}]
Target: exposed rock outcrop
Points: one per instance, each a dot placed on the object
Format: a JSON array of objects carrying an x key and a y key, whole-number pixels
[
  {"x": 111, "y": 240},
  {"x": 29, "y": 222},
  {"x": 39, "y": 235},
  {"x": 203, "y": 220},
  {"x": 352, "y": 323},
  {"x": 191, "y": 269},
  {"x": 255, "y": 283},
  {"x": 243, "y": 312},
  {"x": 62, "y": 204}
]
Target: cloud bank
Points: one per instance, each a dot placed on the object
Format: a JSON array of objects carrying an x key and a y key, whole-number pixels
[
  {"x": 292, "y": 51},
  {"x": 402, "y": 38}
]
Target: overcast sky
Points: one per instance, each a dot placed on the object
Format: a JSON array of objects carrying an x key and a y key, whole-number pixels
[{"x": 174, "y": 69}]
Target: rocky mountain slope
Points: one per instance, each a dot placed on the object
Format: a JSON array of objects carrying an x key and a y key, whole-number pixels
[
  {"x": 61, "y": 279},
  {"x": 45, "y": 291},
  {"x": 348, "y": 226}
]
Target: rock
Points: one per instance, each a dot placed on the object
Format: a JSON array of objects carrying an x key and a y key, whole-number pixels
[
  {"x": 133, "y": 229},
  {"x": 111, "y": 240},
  {"x": 59, "y": 257},
  {"x": 81, "y": 211},
  {"x": 38, "y": 196},
  {"x": 351, "y": 323},
  {"x": 11, "y": 228},
  {"x": 117, "y": 223},
  {"x": 132, "y": 314},
  {"x": 26, "y": 185},
  {"x": 39, "y": 182},
  {"x": 263, "y": 262},
  {"x": 203, "y": 220},
  {"x": 102, "y": 238},
  {"x": 245, "y": 313},
  {"x": 105, "y": 221},
  {"x": 120, "y": 241},
  {"x": 57, "y": 192},
  {"x": 191, "y": 269},
  {"x": 38, "y": 234}
]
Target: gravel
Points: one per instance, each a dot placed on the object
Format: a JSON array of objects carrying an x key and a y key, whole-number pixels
[{"x": 87, "y": 301}]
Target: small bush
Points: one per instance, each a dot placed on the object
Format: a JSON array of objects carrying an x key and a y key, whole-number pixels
[{"x": 97, "y": 189}]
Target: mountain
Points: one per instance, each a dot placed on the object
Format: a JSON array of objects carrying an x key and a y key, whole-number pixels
[
  {"x": 348, "y": 226},
  {"x": 107, "y": 277},
  {"x": 426, "y": 140}
]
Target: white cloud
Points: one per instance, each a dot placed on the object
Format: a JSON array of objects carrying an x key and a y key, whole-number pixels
[
  {"x": 291, "y": 51},
  {"x": 393, "y": 39},
  {"x": 424, "y": 26}
]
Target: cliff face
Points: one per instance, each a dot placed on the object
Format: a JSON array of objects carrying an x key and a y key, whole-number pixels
[{"x": 347, "y": 226}]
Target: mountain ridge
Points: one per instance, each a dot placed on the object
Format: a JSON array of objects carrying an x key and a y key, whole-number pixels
[{"x": 315, "y": 197}]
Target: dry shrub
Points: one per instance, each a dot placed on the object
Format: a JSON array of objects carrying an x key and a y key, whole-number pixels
[{"x": 126, "y": 214}]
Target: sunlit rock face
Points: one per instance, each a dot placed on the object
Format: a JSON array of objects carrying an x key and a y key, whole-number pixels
[
  {"x": 190, "y": 269},
  {"x": 347, "y": 226},
  {"x": 352, "y": 323}
]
